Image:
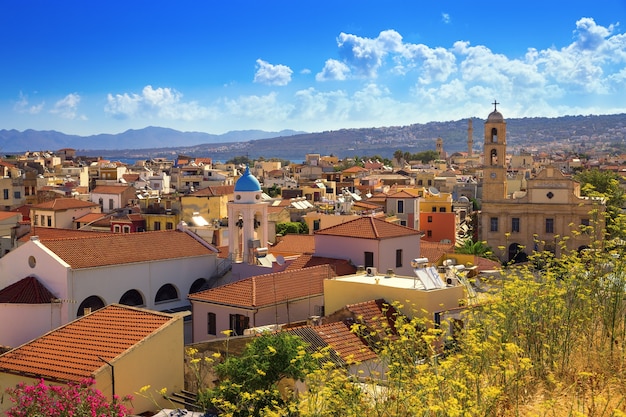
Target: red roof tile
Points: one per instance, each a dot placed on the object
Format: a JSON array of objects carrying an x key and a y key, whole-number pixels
[
  {"x": 93, "y": 217},
  {"x": 28, "y": 290},
  {"x": 47, "y": 233},
  {"x": 341, "y": 266},
  {"x": 433, "y": 251},
  {"x": 103, "y": 249},
  {"x": 72, "y": 352},
  {"x": 64, "y": 204},
  {"x": 111, "y": 189},
  {"x": 293, "y": 243},
  {"x": 214, "y": 190},
  {"x": 4, "y": 215},
  {"x": 343, "y": 341},
  {"x": 376, "y": 315},
  {"x": 368, "y": 228},
  {"x": 263, "y": 290}
]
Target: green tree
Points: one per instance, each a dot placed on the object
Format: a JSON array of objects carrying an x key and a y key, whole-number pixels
[
  {"x": 240, "y": 160},
  {"x": 398, "y": 156},
  {"x": 249, "y": 384},
  {"x": 425, "y": 156},
  {"x": 478, "y": 248},
  {"x": 293, "y": 228},
  {"x": 606, "y": 185}
]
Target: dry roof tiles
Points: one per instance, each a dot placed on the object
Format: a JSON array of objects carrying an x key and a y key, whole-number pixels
[
  {"x": 72, "y": 352},
  {"x": 28, "y": 290},
  {"x": 101, "y": 249},
  {"x": 263, "y": 290},
  {"x": 367, "y": 227}
]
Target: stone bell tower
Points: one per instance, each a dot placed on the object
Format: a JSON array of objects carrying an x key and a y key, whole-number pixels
[{"x": 494, "y": 154}]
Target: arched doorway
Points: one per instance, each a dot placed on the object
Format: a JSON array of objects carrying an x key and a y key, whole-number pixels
[{"x": 517, "y": 254}]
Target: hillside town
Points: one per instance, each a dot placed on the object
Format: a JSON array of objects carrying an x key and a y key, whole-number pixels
[{"x": 107, "y": 269}]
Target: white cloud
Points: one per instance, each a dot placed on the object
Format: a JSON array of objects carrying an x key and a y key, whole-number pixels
[
  {"x": 165, "y": 103},
  {"x": 269, "y": 74},
  {"x": 590, "y": 36},
  {"x": 22, "y": 105},
  {"x": 67, "y": 107},
  {"x": 333, "y": 70},
  {"x": 445, "y": 18},
  {"x": 366, "y": 55}
]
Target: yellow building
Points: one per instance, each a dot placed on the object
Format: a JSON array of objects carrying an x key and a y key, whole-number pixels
[
  {"x": 434, "y": 201},
  {"x": 417, "y": 294},
  {"x": 550, "y": 210},
  {"x": 122, "y": 348},
  {"x": 211, "y": 203}
]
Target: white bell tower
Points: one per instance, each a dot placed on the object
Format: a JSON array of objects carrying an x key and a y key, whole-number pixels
[{"x": 247, "y": 220}]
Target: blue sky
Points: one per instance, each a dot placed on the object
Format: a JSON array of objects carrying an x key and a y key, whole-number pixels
[{"x": 88, "y": 67}]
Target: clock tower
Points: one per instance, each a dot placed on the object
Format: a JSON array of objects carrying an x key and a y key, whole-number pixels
[{"x": 494, "y": 155}]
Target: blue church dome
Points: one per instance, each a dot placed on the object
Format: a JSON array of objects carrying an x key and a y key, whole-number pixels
[{"x": 247, "y": 182}]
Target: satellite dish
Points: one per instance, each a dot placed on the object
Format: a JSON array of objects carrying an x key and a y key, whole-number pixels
[
  {"x": 280, "y": 259},
  {"x": 433, "y": 191}
]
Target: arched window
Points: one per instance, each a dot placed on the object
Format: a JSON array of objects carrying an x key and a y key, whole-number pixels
[
  {"x": 494, "y": 157},
  {"x": 198, "y": 285},
  {"x": 494, "y": 135},
  {"x": 166, "y": 293},
  {"x": 89, "y": 304},
  {"x": 132, "y": 298}
]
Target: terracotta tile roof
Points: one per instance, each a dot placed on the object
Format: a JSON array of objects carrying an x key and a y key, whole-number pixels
[
  {"x": 264, "y": 290},
  {"x": 364, "y": 205},
  {"x": 341, "y": 266},
  {"x": 433, "y": 251},
  {"x": 131, "y": 177},
  {"x": 111, "y": 189},
  {"x": 103, "y": 249},
  {"x": 47, "y": 233},
  {"x": 295, "y": 244},
  {"x": 376, "y": 315},
  {"x": 314, "y": 343},
  {"x": 4, "y": 215},
  {"x": 484, "y": 264},
  {"x": 28, "y": 290},
  {"x": 128, "y": 218},
  {"x": 71, "y": 352},
  {"x": 354, "y": 170},
  {"x": 343, "y": 341},
  {"x": 92, "y": 217},
  {"x": 205, "y": 161},
  {"x": 25, "y": 210},
  {"x": 367, "y": 227},
  {"x": 214, "y": 190},
  {"x": 59, "y": 204}
]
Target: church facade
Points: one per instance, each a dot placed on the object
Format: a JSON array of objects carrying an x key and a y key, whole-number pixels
[{"x": 549, "y": 215}]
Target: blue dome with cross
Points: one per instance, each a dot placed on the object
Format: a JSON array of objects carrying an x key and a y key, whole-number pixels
[{"x": 247, "y": 182}]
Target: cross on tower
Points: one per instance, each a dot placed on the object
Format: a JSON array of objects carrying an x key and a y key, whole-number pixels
[{"x": 495, "y": 105}]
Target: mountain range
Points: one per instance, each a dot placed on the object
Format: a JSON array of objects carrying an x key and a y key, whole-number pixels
[{"x": 575, "y": 132}]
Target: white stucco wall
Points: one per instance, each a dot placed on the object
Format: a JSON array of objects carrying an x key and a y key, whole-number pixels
[
  {"x": 111, "y": 282},
  {"x": 27, "y": 322},
  {"x": 71, "y": 287}
]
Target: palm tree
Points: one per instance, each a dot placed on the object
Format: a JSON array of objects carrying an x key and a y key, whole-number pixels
[{"x": 478, "y": 248}]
